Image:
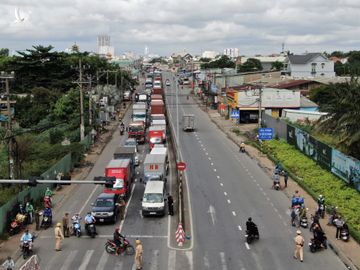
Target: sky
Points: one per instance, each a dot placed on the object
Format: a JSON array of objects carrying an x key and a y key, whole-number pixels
[{"x": 255, "y": 27}]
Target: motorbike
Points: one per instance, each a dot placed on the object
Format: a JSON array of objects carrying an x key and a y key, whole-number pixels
[
  {"x": 122, "y": 129},
  {"x": 316, "y": 245},
  {"x": 25, "y": 248},
  {"x": 77, "y": 229},
  {"x": 242, "y": 149},
  {"x": 91, "y": 230},
  {"x": 304, "y": 222},
  {"x": 252, "y": 236},
  {"x": 112, "y": 248},
  {"x": 276, "y": 185},
  {"x": 15, "y": 227},
  {"x": 321, "y": 210},
  {"x": 47, "y": 219},
  {"x": 344, "y": 234}
]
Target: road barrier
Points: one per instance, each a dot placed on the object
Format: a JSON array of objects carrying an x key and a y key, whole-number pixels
[{"x": 180, "y": 235}]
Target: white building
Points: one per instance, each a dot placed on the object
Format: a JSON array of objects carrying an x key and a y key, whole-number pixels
[
  {"x": 232, "y": 52},
  {"x": 266, "y": 61},
  {"x": 209, "y": 54},
  {"x": 309, "y": 65},
  {"x": 104, "y": 47}
]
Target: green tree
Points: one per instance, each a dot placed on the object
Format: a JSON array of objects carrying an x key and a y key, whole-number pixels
[
  {"x": 251, "y": 65},
  {"x": 223, "y": 62},
  {"x": 277, "y": 65},
  {"x": 343, "y": 119},
  {"x": 4, "y": 52}
]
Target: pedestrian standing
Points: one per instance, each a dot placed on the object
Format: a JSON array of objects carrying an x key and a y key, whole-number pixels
[
  {"x": 286, "y": 178},
  {"x": 66, "y": 225},
  {"x": 339, "y": 223},
  {"x": 299, "y": 246},
  {"x": 58, "y": 236},
  {"x": 122, "y": 208},
  {"x": 170, "y": 205},
  {"x": 9, "y": 264},
  {"x": 138, "y": 254},
  {"x": 29, "y": 209},
  {"x": 37, "y": 219}
]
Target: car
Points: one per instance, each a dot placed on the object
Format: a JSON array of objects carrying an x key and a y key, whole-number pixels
[
  {"x": 167, "y": 83},
  {"x": 106, "y": 208},
  {"x": 131, "y": 142}
]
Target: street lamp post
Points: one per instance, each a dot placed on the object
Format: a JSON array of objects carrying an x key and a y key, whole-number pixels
[{"x": 7, "y": 76}]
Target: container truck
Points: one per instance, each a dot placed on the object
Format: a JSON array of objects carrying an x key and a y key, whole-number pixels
[
  {"x": 127, "y": 152},
  {"x": 136, "y": 130},
  {"x": 155, "y": 168},
  {"x": 123, "y": 171},
  {"x": 188, "y": 122},
  {"x": 157, "y": 107}
]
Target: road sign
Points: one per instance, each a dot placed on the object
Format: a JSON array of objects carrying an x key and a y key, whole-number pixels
[
  {"x": 235, "y": 114},
  {"x": 181, "y": 166},
  {"x": 266, "y": 134}
]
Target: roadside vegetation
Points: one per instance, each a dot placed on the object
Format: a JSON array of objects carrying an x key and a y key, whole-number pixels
[{"x": 48, "y": 109}]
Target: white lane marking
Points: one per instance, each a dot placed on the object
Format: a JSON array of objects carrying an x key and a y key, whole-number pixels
[
  {"x": 268, "y": 198},
  {"x": 189, "y": 256},
  {"x": 88, "y": 199},
  {"x": 239, "y": 227},
  {"x": 137, "y": 172},
  {"x": 209, "y": 158},
  {"x": 251, "y": 176},
  {"x": 103, "y": 259},
  {"x": 154, "y": 265},
  {"x": 200, "y": 141},
  {"x": 247, "y": 245},
  {"x": 234, "y": 214},
  {"x": 126, "y": 208},
  {"x": 272, "y": 204},
  {"x": 275, "y": 209},
  {"x": 264, "y": 193},
  {"x": 69, "y": 259},
  {"x": 212, "y": 164},
  {"x": 228, "y": 201},
  {"x": 223, "y": 261},
  {"x": 201, "y": 145},
  {"x": 119, "y": 265},
  {"x": 285, "y": 224},
  {"x": 172, "y": 259},
  {"x": 221, "y": 184},
  {"x": 218, "y": 177},
  {"x": 140, "y": 213},
  {"x": 225, "y": 193},
  {"x": 258, "y": 184},
  {"x": 206, "y": 153},
  {"x": 214, "y": 170},
  {"x": 206, "y": 261},
  {"x": 86, "y": 259}
]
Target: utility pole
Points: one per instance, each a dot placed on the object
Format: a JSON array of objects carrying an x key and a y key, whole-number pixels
[
  {"x": 90, "y": 99},
  {"x": 8, "y": 76},
  {"x": 260, "y": 100}
]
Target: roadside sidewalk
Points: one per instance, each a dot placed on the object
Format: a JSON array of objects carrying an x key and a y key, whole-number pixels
[
  {"x": 349, "y": 252},
  {"x": 10, "y": 247}
]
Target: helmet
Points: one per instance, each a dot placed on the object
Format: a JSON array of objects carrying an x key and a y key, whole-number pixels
[
  {"x": 249, "y": 219},
  {"x": 27, "y": 203},
  {"x": 137, "y": 241},
  {"x": 298, "y": 232},
  {"x": 58, "y": 224},
  {"x": 320, "y": 196}
]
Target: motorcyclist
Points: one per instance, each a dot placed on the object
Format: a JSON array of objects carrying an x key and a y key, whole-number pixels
[
  {"x": 89, "y": 219},
  {"x": 26, "y": 237},
  {"x": 276, "y": 179},
  {"x": 321, "y": 200},
  {"x": 47, "y": 202},
  {"x": 118, "y": 239},
  {"x": 302, "y": 212},
  {"x": 251, "y": 227},
  {"x": 319, "y": 235},
  {"x": 48, "y": 213},
  {"x": 48, "y": 192},
  {"x": 76, "y": 218}
]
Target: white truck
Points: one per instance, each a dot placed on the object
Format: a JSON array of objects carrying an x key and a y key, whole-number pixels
[
  {"x": 155, "y": 167},
  {"x": 188, "y": 122}
]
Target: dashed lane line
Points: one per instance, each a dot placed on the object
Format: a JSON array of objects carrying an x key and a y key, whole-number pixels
[
  {"x": 228, "y": 201},
  {"x": 239, "y": 227},
  {"x": 234, "y": 214}
]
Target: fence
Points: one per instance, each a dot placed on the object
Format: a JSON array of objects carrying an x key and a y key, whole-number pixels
[
  {"x": 36, "y": 193},
  {"x": 343, "y": 166}
]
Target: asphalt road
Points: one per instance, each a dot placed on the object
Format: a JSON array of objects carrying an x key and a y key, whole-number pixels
[
  {"x": 226, "y": 187},
  {"x": 87, "y": 253}
]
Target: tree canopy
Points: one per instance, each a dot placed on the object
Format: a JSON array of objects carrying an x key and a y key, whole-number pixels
[
  {"x": 251, "y": 65},
  {"x": 223, "y": 62}
]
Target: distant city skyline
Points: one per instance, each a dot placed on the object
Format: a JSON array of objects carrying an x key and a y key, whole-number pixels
[{"x": 165, "y": 27}]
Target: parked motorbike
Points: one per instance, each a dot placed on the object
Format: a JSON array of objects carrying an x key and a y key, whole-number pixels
[
  {"x": 127, "y": 248},
  {"x": 77, "y": 229},
  {"x": 276, "y": 185},
  {"x": 344, "y": 234},
  {"x": 304, "y": 222},
  {"x": 316, "y": 245},
  {"x": 91, "y": 230},
  {"x": 321, "y": 210},
  {"x": 252, "y": 236}
]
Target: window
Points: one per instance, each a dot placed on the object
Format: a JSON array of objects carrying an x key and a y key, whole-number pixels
[
  {"x": 313, "y": 68},
  {"x": 322, "y": 65}
]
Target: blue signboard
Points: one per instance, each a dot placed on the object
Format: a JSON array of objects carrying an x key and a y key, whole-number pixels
[
  {"x": 235, "y": 114},
  {"x": 266, "y": 133}
]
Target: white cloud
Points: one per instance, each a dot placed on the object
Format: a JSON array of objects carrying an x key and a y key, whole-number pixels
[{"x": 253, "y": 26}]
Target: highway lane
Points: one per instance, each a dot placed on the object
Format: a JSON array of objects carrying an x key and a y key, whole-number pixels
[
  {"x": 227, "y": 187},
  {"x": 86, "y": 253}
]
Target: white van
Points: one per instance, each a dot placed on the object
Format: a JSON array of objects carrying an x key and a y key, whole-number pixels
[{"x": 153, "y": 202}]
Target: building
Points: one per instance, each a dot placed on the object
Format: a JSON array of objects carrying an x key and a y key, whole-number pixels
[
  {"x": 232, "y": 52},
  {"x": 104, "y": 47},
  {"x": 209, "y": 54},
  {"x": 310, "y": 65},
  {"x": 181, "y": 59}
]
